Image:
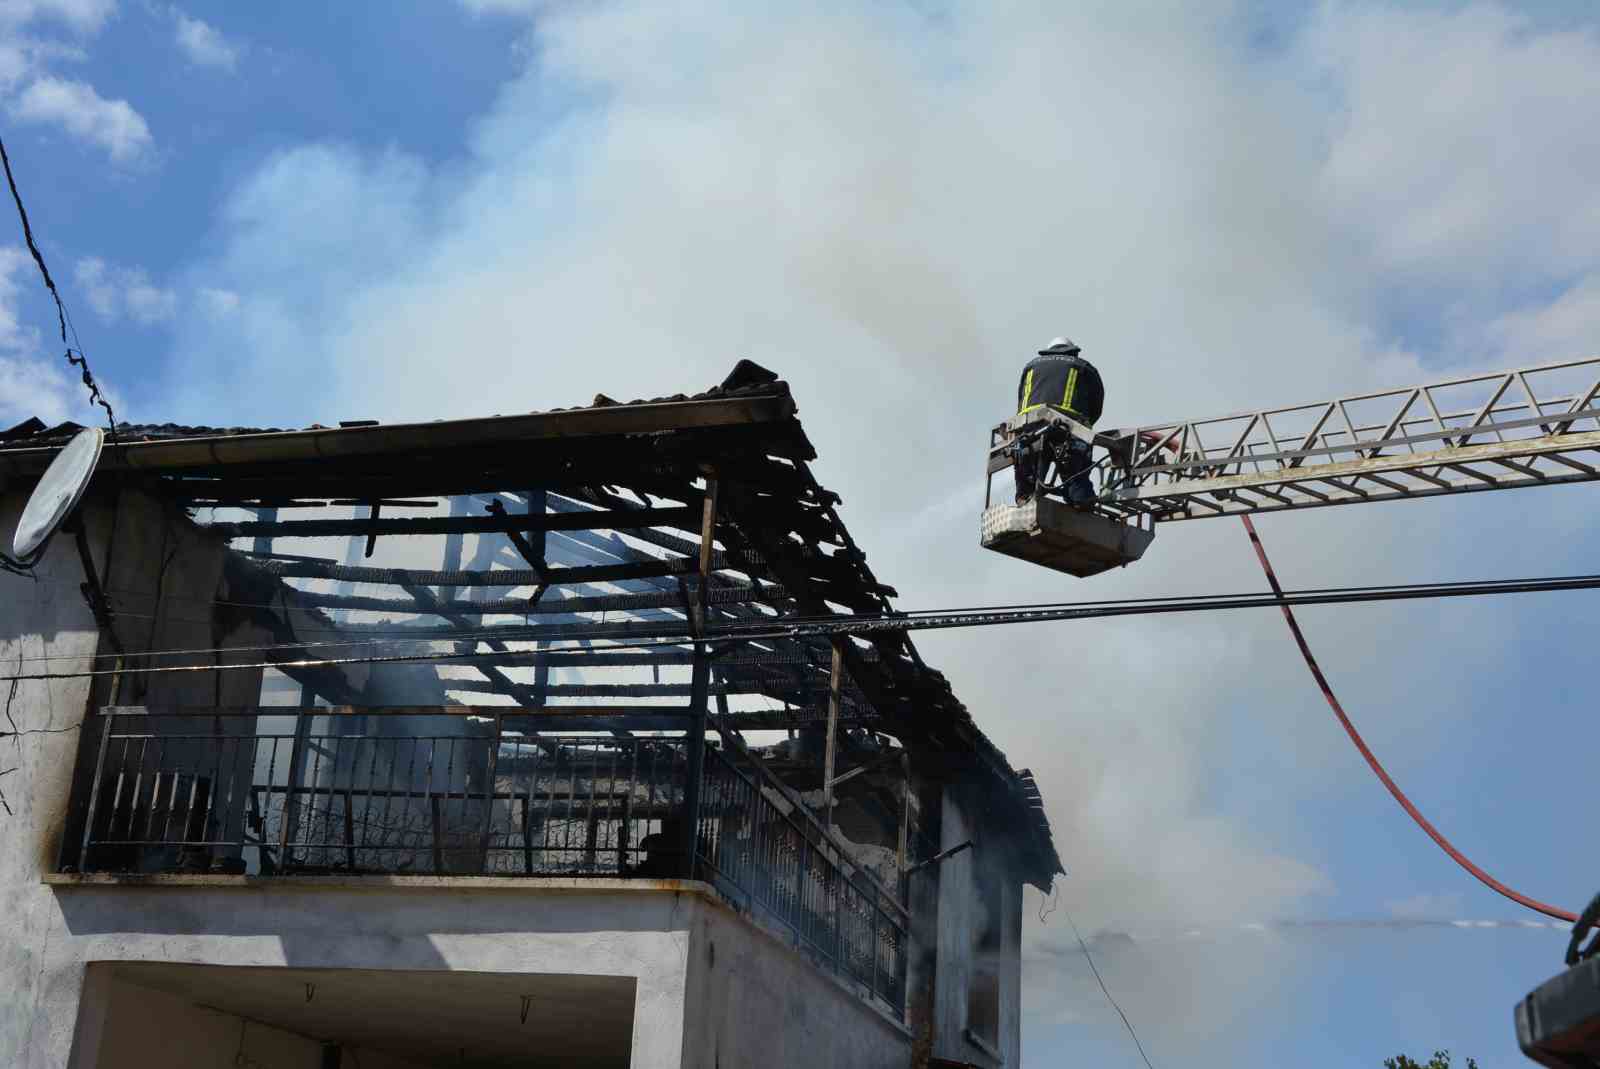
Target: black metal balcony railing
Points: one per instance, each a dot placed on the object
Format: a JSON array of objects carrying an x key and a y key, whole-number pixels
[
  {"x": 769, "y": 856},
  {"x": 457, "y": 793},
  {"x": 435, "y": 793}
]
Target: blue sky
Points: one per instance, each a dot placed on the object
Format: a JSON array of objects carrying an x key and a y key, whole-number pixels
[{"x": 280, "y": 214}]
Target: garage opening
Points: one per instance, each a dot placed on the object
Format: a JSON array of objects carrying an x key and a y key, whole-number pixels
[{"x": 148, "y": 1015}]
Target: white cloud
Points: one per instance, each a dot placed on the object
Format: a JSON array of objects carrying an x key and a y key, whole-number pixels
[
  {"x": 114, "y": 291},
  {"x": 32, "y": 383},
  {"x": 14, "y": 336},
  {"x": 111, "y": 124},
  {"x": 14, "y": 63},
  {"x": 21, "y": 56},
  {"x": 33, "y": 386},
  {"x": 203, "y": 43},
  {"x": 1566, "y": 327},
  {"x": 504, "y": 7},
  {"x": 1462, "y": 146},
  {"x": 218, "y": 303},
  {"x": 86, "y": 16},
  {"x": 91, "y": 275},
  {"x": 146, "y": 303}
]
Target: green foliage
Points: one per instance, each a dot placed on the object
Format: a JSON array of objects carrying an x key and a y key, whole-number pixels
[{"x": 1440, "y": 1060}]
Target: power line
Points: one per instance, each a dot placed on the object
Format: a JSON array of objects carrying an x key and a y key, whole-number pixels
[
  {"x": 74, "y": 354},
  {"x": 649, "y": 634},
  {"x": 401, "y": 635},
  {"x": 326, "y": 662},
  {"x": 940, "y": 619},
  {"x": 1385, "y": 591},
  {"x": 1103, "y": 989}
]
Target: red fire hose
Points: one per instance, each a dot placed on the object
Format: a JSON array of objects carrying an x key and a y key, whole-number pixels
[{"x": 1355, "y": 736}]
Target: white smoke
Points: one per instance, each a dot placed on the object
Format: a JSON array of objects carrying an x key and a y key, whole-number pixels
[{"x": 893, "y": 206}]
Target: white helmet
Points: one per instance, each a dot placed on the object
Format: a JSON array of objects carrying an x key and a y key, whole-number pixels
[{"x": 1059, "y": 346}]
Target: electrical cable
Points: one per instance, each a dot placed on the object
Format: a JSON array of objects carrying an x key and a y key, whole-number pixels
[
  {"x": 926, "y": 618},
  {"x": 266, "y": 647},
  {"x": 402, "y": 633},
  {"x": 1103, "y": 989},
  {"x": 1055, "y": 894},
  {"x": 406, "y": 632},
  {"x": 1355, "y": 736},
  {"x": 336, "y": 661},
  {"x": 74, "y": 355},
  {"x": 672, "y": 633},
  {"x": 1466, "y": 585}
]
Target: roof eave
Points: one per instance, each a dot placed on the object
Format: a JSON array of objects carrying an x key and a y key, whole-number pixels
[{"x": 401, "y": 438}]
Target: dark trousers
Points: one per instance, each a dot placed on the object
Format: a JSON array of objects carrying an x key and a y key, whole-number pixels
[{"x": 1071, "y": 458}]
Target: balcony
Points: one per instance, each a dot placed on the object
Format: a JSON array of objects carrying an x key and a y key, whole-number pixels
[{"x": 481, "y": 791}]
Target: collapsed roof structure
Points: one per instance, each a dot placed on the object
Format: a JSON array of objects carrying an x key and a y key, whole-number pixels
[
  {"x": 602, "y": 505},
  {"x": 586, "y": 696}
]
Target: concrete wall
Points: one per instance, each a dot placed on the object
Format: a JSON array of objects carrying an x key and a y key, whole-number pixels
[
  {"x": 615, "y": 928},
  {"x": 751, "y": 1000},
  {"x": 712, "y": 987},
  {"x": 42, "y": 617}
]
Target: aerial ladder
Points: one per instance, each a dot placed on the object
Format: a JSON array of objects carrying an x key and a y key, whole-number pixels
[{"x": 1501, "y": 430}]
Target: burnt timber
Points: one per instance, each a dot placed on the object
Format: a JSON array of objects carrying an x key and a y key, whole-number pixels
[{"x": 702, "y": 509}]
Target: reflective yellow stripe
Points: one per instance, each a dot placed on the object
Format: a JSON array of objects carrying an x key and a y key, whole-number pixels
[
  {"x": 1027, "y": 390},
  {"x": 1072, "y": 387}
]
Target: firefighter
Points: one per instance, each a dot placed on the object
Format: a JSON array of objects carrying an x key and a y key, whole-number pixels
[{"x": 1063, "y": 380}]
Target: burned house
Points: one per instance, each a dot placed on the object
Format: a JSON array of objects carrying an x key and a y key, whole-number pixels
[{"x": 489, "y": 742}]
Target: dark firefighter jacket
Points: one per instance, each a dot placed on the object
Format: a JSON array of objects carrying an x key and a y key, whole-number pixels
[{"x": 1069, "y": 383}]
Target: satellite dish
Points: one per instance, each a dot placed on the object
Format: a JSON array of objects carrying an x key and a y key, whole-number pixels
[{"x": 58, "y": 492}]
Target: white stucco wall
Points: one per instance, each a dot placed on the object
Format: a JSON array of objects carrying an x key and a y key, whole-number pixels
[
  {"x": 712, "y": 988},
  {"x": 603, "y": 928},
  {"x": 160, "y": 572},
  {"x": 42, "y": 617}
]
